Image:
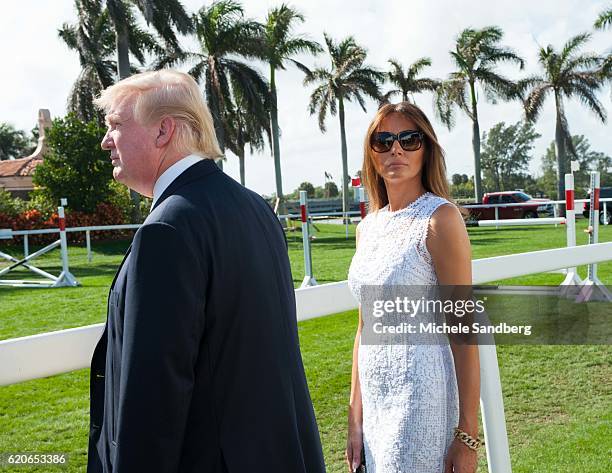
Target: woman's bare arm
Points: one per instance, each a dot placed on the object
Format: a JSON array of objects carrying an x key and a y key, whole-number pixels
[
  {"x": 449, "y": 246},
  {"x": 355, "y": 413}
]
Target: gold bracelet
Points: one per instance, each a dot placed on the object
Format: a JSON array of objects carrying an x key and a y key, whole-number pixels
[{"x": 468, "y": 440}]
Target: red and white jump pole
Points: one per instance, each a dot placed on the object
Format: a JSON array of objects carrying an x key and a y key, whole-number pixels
[
  {"x": 594, "y": 221},
  {"x": 572, "y": 277},
  {"x": 309, "y": 279},
  {"x": 589, "y": 285},
  {"x": 362, "y": 206},
  {"x": 65, "y": 278}
]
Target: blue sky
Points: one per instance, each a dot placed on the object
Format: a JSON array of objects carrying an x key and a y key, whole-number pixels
[{"x": 38, "y": 71}]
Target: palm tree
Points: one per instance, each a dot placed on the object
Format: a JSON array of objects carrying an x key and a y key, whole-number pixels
[
  {"x": 476, "y": 54},
  {"x": 407, "y": 82},
  {"x": 604, "y": 19},
  {"x": 348, "y": 79},
  {"x": 278, "y": 45},
  {"x": 93, "y": 38},
  {"x": 162, "y": 15},
  {"x": 13, "y": 143},
  {"x": 566, "y": 74},
  {"x": 223, "y": 33},
  {"x": 247, "y": 127}
]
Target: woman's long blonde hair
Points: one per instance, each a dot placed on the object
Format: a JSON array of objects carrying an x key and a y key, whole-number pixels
[{"x": 433, "y": 174}]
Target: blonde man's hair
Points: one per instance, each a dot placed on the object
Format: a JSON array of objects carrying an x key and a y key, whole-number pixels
[
  {"x": 169, "y": 93},
  {"x": 433, "y": 174}
]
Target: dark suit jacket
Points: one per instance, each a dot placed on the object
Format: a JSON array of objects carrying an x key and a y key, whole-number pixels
[{"x": 199, "y": 367}]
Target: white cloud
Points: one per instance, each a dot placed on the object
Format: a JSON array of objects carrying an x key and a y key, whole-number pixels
[{"x": 38, "y": 71}]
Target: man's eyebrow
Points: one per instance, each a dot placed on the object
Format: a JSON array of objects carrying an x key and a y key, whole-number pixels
[{"x": 111, "y": 117}]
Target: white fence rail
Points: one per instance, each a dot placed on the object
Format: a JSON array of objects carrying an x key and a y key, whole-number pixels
[
  {"x": 35, "y": 356},
  {"x": 58, "y": 352}
]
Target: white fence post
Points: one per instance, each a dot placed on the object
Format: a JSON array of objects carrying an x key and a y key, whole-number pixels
[
  {"x": 88, "y": 242},
  {"x": 26, "y": 246},
  {"x": 492, "y": 410}
]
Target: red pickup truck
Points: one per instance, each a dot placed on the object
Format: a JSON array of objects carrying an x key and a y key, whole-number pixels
[{"x": 528, "y": 208}]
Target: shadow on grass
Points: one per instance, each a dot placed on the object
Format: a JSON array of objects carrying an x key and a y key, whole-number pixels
[
  {"x": 489, "y": 241},
  {"x": 100, "y": 269},
  {"x": 111, "y": 248}
]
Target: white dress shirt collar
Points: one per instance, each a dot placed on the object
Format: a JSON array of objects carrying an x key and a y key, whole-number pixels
[{"x": 170, "y": 174}]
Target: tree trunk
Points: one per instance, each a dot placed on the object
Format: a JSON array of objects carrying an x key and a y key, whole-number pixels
[
  {"x": 123, "y": 51},
  {"x": 560, "y": 151},
  {"x": 276, "y": 141},
  {"x": 241, "y": 160},
  {"x": 345, "y": 175},
  {"x": 123, "y": 68},
  {"x": 476, "y": 146},
  {"x": 214, "y": 105}
]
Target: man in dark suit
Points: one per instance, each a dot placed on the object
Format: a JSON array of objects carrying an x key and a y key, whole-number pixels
[{"x": 199, "y": 367}]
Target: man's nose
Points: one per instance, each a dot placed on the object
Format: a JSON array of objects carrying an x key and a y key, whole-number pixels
[{"x": 106, "y": 145}]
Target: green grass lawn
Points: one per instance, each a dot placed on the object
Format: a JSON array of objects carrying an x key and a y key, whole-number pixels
[{"x": 557, "y": 398}]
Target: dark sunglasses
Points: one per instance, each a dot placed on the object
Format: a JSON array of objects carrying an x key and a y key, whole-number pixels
[{"x": 409, "y": 140}]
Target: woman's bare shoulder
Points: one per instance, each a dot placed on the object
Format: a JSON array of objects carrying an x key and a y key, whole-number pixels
[{"x": 446, "y": 227}]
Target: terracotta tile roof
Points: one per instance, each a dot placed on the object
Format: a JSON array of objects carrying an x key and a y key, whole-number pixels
[{"x": 19, "y": 167}]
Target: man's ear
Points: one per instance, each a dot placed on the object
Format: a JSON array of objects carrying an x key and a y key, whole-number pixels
[{"x": 165, "y": 132}]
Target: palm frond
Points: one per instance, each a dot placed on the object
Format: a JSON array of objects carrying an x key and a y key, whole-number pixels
[
  {"x": 416, "y": 67},
  {"x": 449, "y": 94},
  {"x": 279, "y": 41},
  {"x": 495, "y": 85},
  {"x": 386, "y": 97},
  {"x": 299, "y": 45},
  {"x": 604, "y": 19},
  {"x": 572, "y": 46},
  {"x": 319, "y": 74},
  {"x": 248, "y": 84},
  {"x": 535, "y": 99},
  {"x": 581, "y": 63},
  {"x": 165, "y": 16},
  {"x": 587, "y": 97},
  {"x": 321, "y": 99},
  {"x": 300, "y": 66},
  {"x": 492, "y": 55}
]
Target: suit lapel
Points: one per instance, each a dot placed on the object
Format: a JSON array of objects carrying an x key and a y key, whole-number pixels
[
  {"x": 198, "y": 170},
  {"x": 121, "y": 266}
]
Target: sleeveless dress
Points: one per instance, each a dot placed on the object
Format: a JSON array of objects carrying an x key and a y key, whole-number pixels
[{"x": 409, "y": 392}]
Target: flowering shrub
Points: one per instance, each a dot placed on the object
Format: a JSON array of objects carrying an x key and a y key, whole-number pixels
[{"x": 33, "y": 219}]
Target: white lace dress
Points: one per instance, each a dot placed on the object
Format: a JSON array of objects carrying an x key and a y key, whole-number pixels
[{"x": 409, "y": 392}]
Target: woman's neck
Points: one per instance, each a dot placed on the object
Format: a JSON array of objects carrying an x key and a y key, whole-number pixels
[{"x": 402, "y": 195}]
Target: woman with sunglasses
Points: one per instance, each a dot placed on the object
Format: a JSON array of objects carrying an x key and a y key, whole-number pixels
[{"x": 413, "y": 408}]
